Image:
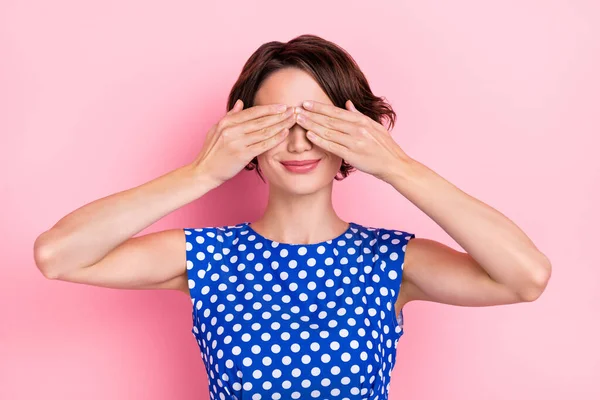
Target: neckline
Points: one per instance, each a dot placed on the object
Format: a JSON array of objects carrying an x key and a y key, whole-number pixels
[{"x": 276, "y": 243}]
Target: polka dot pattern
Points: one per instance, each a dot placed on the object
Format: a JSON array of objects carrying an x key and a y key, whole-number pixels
[{"x": 287, "y": 321}]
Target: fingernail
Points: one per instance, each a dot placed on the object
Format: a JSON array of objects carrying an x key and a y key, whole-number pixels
[{"x": 307, "y": 104}]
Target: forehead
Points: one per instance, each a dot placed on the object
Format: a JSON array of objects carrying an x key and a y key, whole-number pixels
[{"x": 290, "y": 86}]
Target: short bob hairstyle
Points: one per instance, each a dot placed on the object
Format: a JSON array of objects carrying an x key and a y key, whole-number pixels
[{"x": 331, "y": 66}]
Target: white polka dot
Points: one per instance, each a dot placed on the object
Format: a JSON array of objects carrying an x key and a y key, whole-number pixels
[{"x": 260, "y": 305}]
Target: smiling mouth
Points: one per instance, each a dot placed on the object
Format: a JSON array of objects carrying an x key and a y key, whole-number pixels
[
  {"x": 300, "y": 166},
  {"x": 300, "y": 162}
]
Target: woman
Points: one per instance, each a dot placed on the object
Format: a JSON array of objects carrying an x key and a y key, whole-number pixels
[{"x": 298, "y": 303}]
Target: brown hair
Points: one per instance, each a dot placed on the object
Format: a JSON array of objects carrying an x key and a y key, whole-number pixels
[{"x": 331, "y": 66}]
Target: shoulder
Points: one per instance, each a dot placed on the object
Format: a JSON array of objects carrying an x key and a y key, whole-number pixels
[
  {"x": 384, "y": 238},
  {"x": 387, "y": 245},
  {"x": 207, "y": 243},
  {"x": 218, "y": 234},
  {"x": 390, "y": 247}
]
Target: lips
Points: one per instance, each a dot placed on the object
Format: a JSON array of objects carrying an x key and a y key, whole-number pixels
[{"x": 299, "y": 162}]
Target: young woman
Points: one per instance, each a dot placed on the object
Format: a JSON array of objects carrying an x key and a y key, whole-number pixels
[{"x": 298, "y": 303}]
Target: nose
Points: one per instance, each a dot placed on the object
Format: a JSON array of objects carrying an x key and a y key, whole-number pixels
[{"x": 297, "y": 141}]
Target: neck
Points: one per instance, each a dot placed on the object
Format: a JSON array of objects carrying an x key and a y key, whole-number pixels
[{"x": 300, "y": 218}]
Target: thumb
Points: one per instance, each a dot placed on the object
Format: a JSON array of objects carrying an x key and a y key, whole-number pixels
[
  {"x": 350, "y": 106},
  {"x": 239, "y": 105}
]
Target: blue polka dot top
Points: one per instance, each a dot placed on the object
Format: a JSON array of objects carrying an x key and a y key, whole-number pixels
[{"x": 288, "y": 321}]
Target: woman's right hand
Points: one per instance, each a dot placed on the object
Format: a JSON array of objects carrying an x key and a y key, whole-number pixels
[{"x": 240, "y": 136}]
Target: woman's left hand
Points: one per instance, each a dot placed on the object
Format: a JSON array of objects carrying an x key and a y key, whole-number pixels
[{"x": 359, "y": 140}]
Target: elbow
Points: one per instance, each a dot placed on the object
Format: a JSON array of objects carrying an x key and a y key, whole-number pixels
[
  {"x": 538, "y": 283},
  {"x": 43, "y": 254}
]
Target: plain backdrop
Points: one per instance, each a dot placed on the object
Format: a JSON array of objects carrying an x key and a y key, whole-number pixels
[{"x": 502, "y": 98}]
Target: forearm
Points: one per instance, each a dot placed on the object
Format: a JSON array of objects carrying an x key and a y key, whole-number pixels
[
  {"x": 495, "y": 242},
  {"x": 87, "y": 234}
]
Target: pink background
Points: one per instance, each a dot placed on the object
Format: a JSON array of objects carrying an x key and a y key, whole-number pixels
[{"x": 500, "y": 98}]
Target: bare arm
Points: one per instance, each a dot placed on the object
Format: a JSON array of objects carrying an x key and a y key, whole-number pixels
[
  {"x": 501, "y": 265},
  {"x": 153, "y": 261},
  {"x": 94, "y": 243}
]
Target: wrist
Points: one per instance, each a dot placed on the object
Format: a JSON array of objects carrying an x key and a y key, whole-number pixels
[
  {"x": 401, "y": 170},
  {"x": 200, "y": 177}
]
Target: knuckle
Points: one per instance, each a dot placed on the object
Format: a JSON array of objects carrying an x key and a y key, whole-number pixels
[
  {"x": 265, "y": 132},
  {"x": 264, "y": 144},
  {"x": 226, "y": 132},
  {"x": 222, "y": 124},
  {"x": 259, "y": 124},
  {"x": 252, "y": 113},
  {"x": 363, "y": 130},
  {"x": 329, "y": 120}
]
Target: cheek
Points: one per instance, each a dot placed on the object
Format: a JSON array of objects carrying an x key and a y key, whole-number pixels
[
  {"x": 333, "y": 163},
  {"x": 334, "y": 159},
  {"x": 267, "y": 164},
  {"x": 263, "y": 158}
]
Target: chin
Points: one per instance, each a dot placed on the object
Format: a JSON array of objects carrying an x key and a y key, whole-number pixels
[
  {"x": 299, "y": 185},
  {"x": 304, "y": 188}
]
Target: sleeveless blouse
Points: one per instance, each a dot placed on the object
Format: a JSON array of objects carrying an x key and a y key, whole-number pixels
[{"x": 287, "y": 321}]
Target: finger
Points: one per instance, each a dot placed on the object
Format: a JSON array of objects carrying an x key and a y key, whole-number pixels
[
  {"x": 350, "y": 106},
  {"x": 331, "y": 110},
  {"x": 324, "y": 132},
  {"x": 253, "y": 113},
  {"x": 265, "y": 133},
  {"x": 267, "y": 144},
  {"x": 215, "y": 131},
  {"x": 327, "y": 121},
  {"x": 259, "y": 123},
  {"x": 327, "y": 145},
  {"x": 237, "y": 106}
]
